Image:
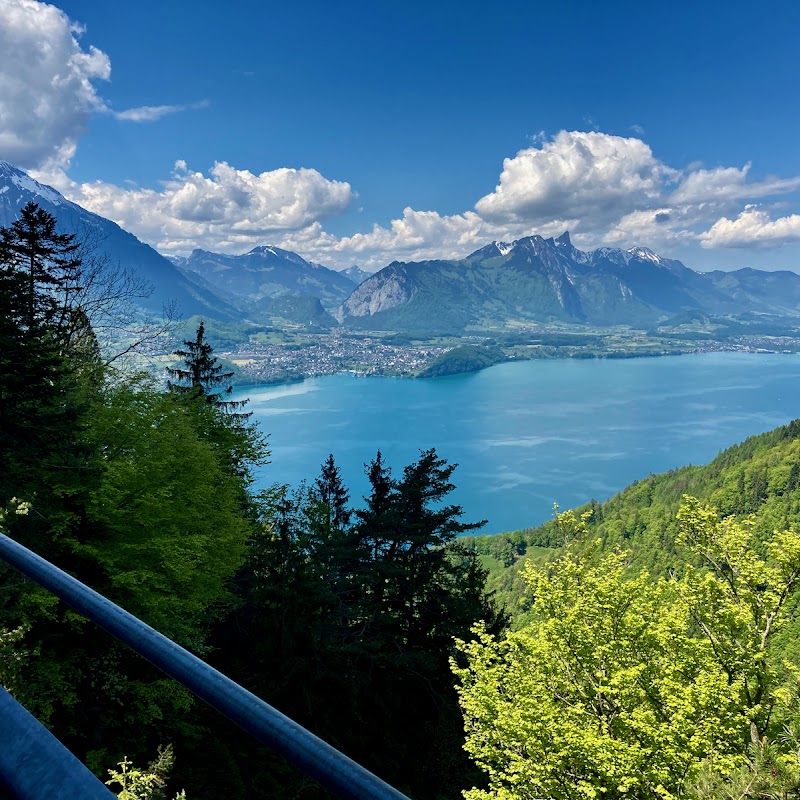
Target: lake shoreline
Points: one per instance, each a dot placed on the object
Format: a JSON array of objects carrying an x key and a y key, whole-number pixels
[
  {"x": 238, "y": 383},
  {"x": 526, "y": 436}
]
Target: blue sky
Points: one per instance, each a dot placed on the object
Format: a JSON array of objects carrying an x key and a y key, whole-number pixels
[{"x": 360, "y": 132}]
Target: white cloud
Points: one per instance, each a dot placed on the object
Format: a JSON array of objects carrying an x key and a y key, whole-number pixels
[
  {"x": 605, "y": 189},
  {"x": 592, "y": 178},
  {"x": 657, "y": 228},
  {"x": 47, "y": 83},
  {"x": 228, "y": 209},
  {"x": 753, "y": 228},
  {"x": 48, "y": 86},
  {"x": 418, "y": 236},
  {"x": 728, "y": 183},
  {"x": 152, "y": 113}
]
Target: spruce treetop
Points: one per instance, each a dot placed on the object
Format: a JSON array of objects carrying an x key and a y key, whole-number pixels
[{"x": 202, "y": 374}]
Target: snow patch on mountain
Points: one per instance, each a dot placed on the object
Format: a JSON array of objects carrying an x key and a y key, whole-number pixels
[
  {"x": 28, "y": 186},
  {"x": 645, "y": 253}
]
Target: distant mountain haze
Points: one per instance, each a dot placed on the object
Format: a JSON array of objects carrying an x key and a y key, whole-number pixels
[
  {"x": 356, "y": 274},
  {"x": 268, "y": 271}
]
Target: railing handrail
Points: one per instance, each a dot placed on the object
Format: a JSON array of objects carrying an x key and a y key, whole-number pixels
[
  {"x": 301, "y": 748},
  {"x": 59, "y": 776}
]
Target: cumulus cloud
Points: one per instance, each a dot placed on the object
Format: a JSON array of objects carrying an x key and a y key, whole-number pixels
[
  {"x": 48, "y": 86},
  {"x": 226, "y": 209},
  {"x": 418, "y": 236},
  {"x": 660, "y": 228},
  {"x": 47, "y": 83},
  {"x": 753, "y": 228},
  {"x": 606, "y": 189},
  {"x": 590, "y": 177}
]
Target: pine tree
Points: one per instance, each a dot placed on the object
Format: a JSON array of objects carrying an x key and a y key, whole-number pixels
[
  {"x": 48, "y": 261},
  {"x": 375, "y": 518},
  {"x": 333, "y": 494},
  {"x": 202, "y": 374},
  {"x": 37, "y": 378}
]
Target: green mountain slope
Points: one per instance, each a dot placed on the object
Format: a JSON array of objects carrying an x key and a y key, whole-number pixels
[
  {"x": 760, "y": 476},
  {"x": 466, "y": 358},
  {"x": 268, "y": 272}
]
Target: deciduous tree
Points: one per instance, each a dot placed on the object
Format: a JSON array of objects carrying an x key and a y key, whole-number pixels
[{"x": 619, "y": 685}]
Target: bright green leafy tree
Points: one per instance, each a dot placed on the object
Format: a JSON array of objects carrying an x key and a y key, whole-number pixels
[{"x": 622, "y": 686}]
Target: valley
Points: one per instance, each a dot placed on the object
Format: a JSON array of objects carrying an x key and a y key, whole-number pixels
[{"x": 276, "y": 316}]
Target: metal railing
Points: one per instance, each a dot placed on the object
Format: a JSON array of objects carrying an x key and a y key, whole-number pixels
[{"x": 332, "y": 769}]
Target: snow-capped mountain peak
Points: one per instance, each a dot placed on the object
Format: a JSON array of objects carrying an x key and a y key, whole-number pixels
[
  {"x": 644, "y": 253},
  {"x": 270, "y": 251},
  {"x": 9, "y": 174}
]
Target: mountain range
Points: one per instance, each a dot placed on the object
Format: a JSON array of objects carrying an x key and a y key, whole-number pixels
[
  {"x": 532, "y": 279},
  {"x": 356, "y": 274},
  {"x": 266, "y": 281},
  {"x": 268, "y": 272},
  {"x": 549, "y": 280}
]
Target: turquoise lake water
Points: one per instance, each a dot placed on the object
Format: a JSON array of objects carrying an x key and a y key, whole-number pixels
[{"x": 530, "y": 434}]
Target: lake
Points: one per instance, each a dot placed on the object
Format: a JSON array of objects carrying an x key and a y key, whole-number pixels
[{"x": 532, "y": 433}]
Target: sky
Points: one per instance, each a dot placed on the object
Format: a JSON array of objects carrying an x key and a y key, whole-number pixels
[{"x": 366, "y": 132}]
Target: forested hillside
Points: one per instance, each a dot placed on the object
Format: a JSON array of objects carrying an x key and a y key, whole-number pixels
[
  {"x": 760, "y": 476},
  {"x": 655, "y": 650}
]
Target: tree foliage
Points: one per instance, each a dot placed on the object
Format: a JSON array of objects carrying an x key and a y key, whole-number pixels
[
  {"x": 351, "y": 616},
  {"x": 202, "y": 374},
  {"x": 140, "y": 495},
  {"x": 623, "y": 685}
]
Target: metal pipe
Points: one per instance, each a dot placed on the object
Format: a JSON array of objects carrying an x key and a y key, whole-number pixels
[
  {"x": 301, "y": 748},
  {"x": 34, "y": 764}
]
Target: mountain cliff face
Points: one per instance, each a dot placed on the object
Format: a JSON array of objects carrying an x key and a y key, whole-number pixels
[
  {"x": 549, "y": 280},
  {"x": 111, "y": 242},
  {"x": 268, "y": 272}
]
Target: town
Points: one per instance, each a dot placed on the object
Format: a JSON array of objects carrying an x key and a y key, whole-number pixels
[
  {"x": 328, "y": 354},
  {"x": 278, "y": 357}
]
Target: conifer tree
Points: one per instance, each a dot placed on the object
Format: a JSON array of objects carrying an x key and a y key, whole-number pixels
[
  {"x": 333, "y": 494},
  {"x": 48, "y": 262},
  {"x": 37, "y": 379},
  {"x": 375, "y": 518},
  {"x": 202, "y": 375}
]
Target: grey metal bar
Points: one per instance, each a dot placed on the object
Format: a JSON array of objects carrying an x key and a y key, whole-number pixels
[
  {"x": 35, "y": 765},
  {"x": 301, "y": 748}
]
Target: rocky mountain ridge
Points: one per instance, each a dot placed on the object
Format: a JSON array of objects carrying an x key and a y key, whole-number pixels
[
  {"x": 268, "y": 272},
  {"x": 546, "y": 280}
]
